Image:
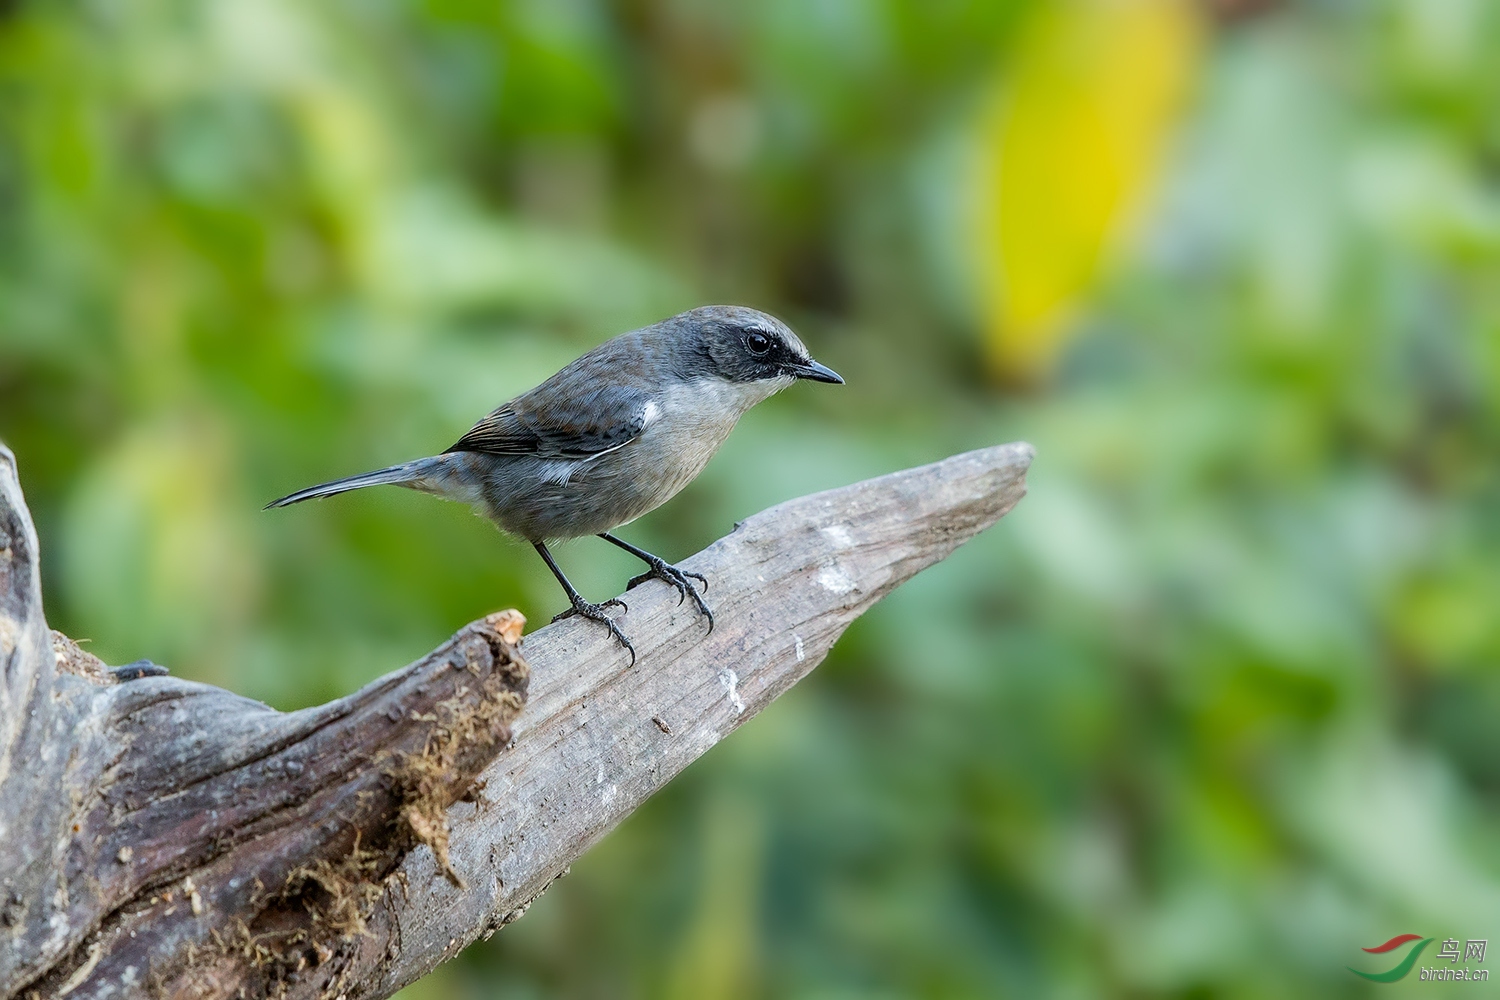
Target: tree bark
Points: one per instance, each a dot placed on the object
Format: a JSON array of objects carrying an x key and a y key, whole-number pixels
[{"x": 168, "y": 839}]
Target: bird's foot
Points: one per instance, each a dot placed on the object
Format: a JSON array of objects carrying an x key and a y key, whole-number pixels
[
  {"x": 682, "y": 580},
  {"x": 595, "y": 613}
]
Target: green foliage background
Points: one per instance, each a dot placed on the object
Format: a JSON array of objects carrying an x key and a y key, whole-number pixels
[{"x": 1214, "y": 708}]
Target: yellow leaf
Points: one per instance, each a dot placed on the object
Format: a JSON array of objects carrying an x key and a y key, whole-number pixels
[{"x": 1069, "y": 153}]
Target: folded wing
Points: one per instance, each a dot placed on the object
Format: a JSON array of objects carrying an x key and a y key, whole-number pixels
[{"x": 589, "y": 425}]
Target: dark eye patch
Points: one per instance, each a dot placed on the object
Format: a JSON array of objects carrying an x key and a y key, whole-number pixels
[{"x": 757, "y": 343}]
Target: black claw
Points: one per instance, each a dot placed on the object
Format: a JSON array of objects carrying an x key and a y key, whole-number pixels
[
  {"x": 595, "y": 613},
  {"x": 674, "y": 577}
]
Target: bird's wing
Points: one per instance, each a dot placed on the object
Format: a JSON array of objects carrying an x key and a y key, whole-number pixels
[{"x": 587, "y": 425}]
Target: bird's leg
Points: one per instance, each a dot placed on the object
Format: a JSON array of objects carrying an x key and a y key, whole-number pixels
[
  {"x": 584, "y": 609},
  {"x": 663, "y": 570}
]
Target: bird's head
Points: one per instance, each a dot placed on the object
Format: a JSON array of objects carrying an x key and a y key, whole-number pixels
[{"x": 742, "y": 345}]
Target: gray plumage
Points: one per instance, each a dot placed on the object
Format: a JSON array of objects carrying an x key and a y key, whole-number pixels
[{"x": 615, "y": 434}]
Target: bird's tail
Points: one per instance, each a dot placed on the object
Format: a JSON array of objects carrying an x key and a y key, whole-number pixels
[{"x": 407, "y": 472}]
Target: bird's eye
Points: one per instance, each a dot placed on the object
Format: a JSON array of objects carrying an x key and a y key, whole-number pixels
[{"x": 758, "y": 343}]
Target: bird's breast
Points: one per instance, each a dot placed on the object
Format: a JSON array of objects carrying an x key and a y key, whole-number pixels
[
  {"x": 677, "y": 444},
  {"x": 689, "y": 424}
]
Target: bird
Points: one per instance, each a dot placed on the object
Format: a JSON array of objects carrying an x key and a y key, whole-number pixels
[{"x": 612, "y": 436}]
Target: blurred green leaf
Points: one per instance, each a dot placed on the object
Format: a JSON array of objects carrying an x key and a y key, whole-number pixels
[{"x": 1211, "y": 710}]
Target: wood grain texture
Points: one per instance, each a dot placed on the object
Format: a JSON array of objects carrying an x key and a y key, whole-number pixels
[{"x": 162, "y": 838}]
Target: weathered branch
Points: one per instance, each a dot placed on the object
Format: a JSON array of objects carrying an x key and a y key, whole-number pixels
[{"x": 163, "y": 838}]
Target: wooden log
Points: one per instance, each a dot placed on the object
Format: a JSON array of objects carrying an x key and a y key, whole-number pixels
[{"x": 168, "y": 839}]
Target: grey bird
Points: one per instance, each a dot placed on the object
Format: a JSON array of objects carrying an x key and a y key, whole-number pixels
[{"x": 615, "y": 434}]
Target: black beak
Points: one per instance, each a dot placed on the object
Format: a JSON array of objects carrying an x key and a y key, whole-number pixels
[{"x": 816, "y": 372}]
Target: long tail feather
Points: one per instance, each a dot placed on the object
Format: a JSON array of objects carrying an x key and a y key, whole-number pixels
[{"x": 397, "y": 474}]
